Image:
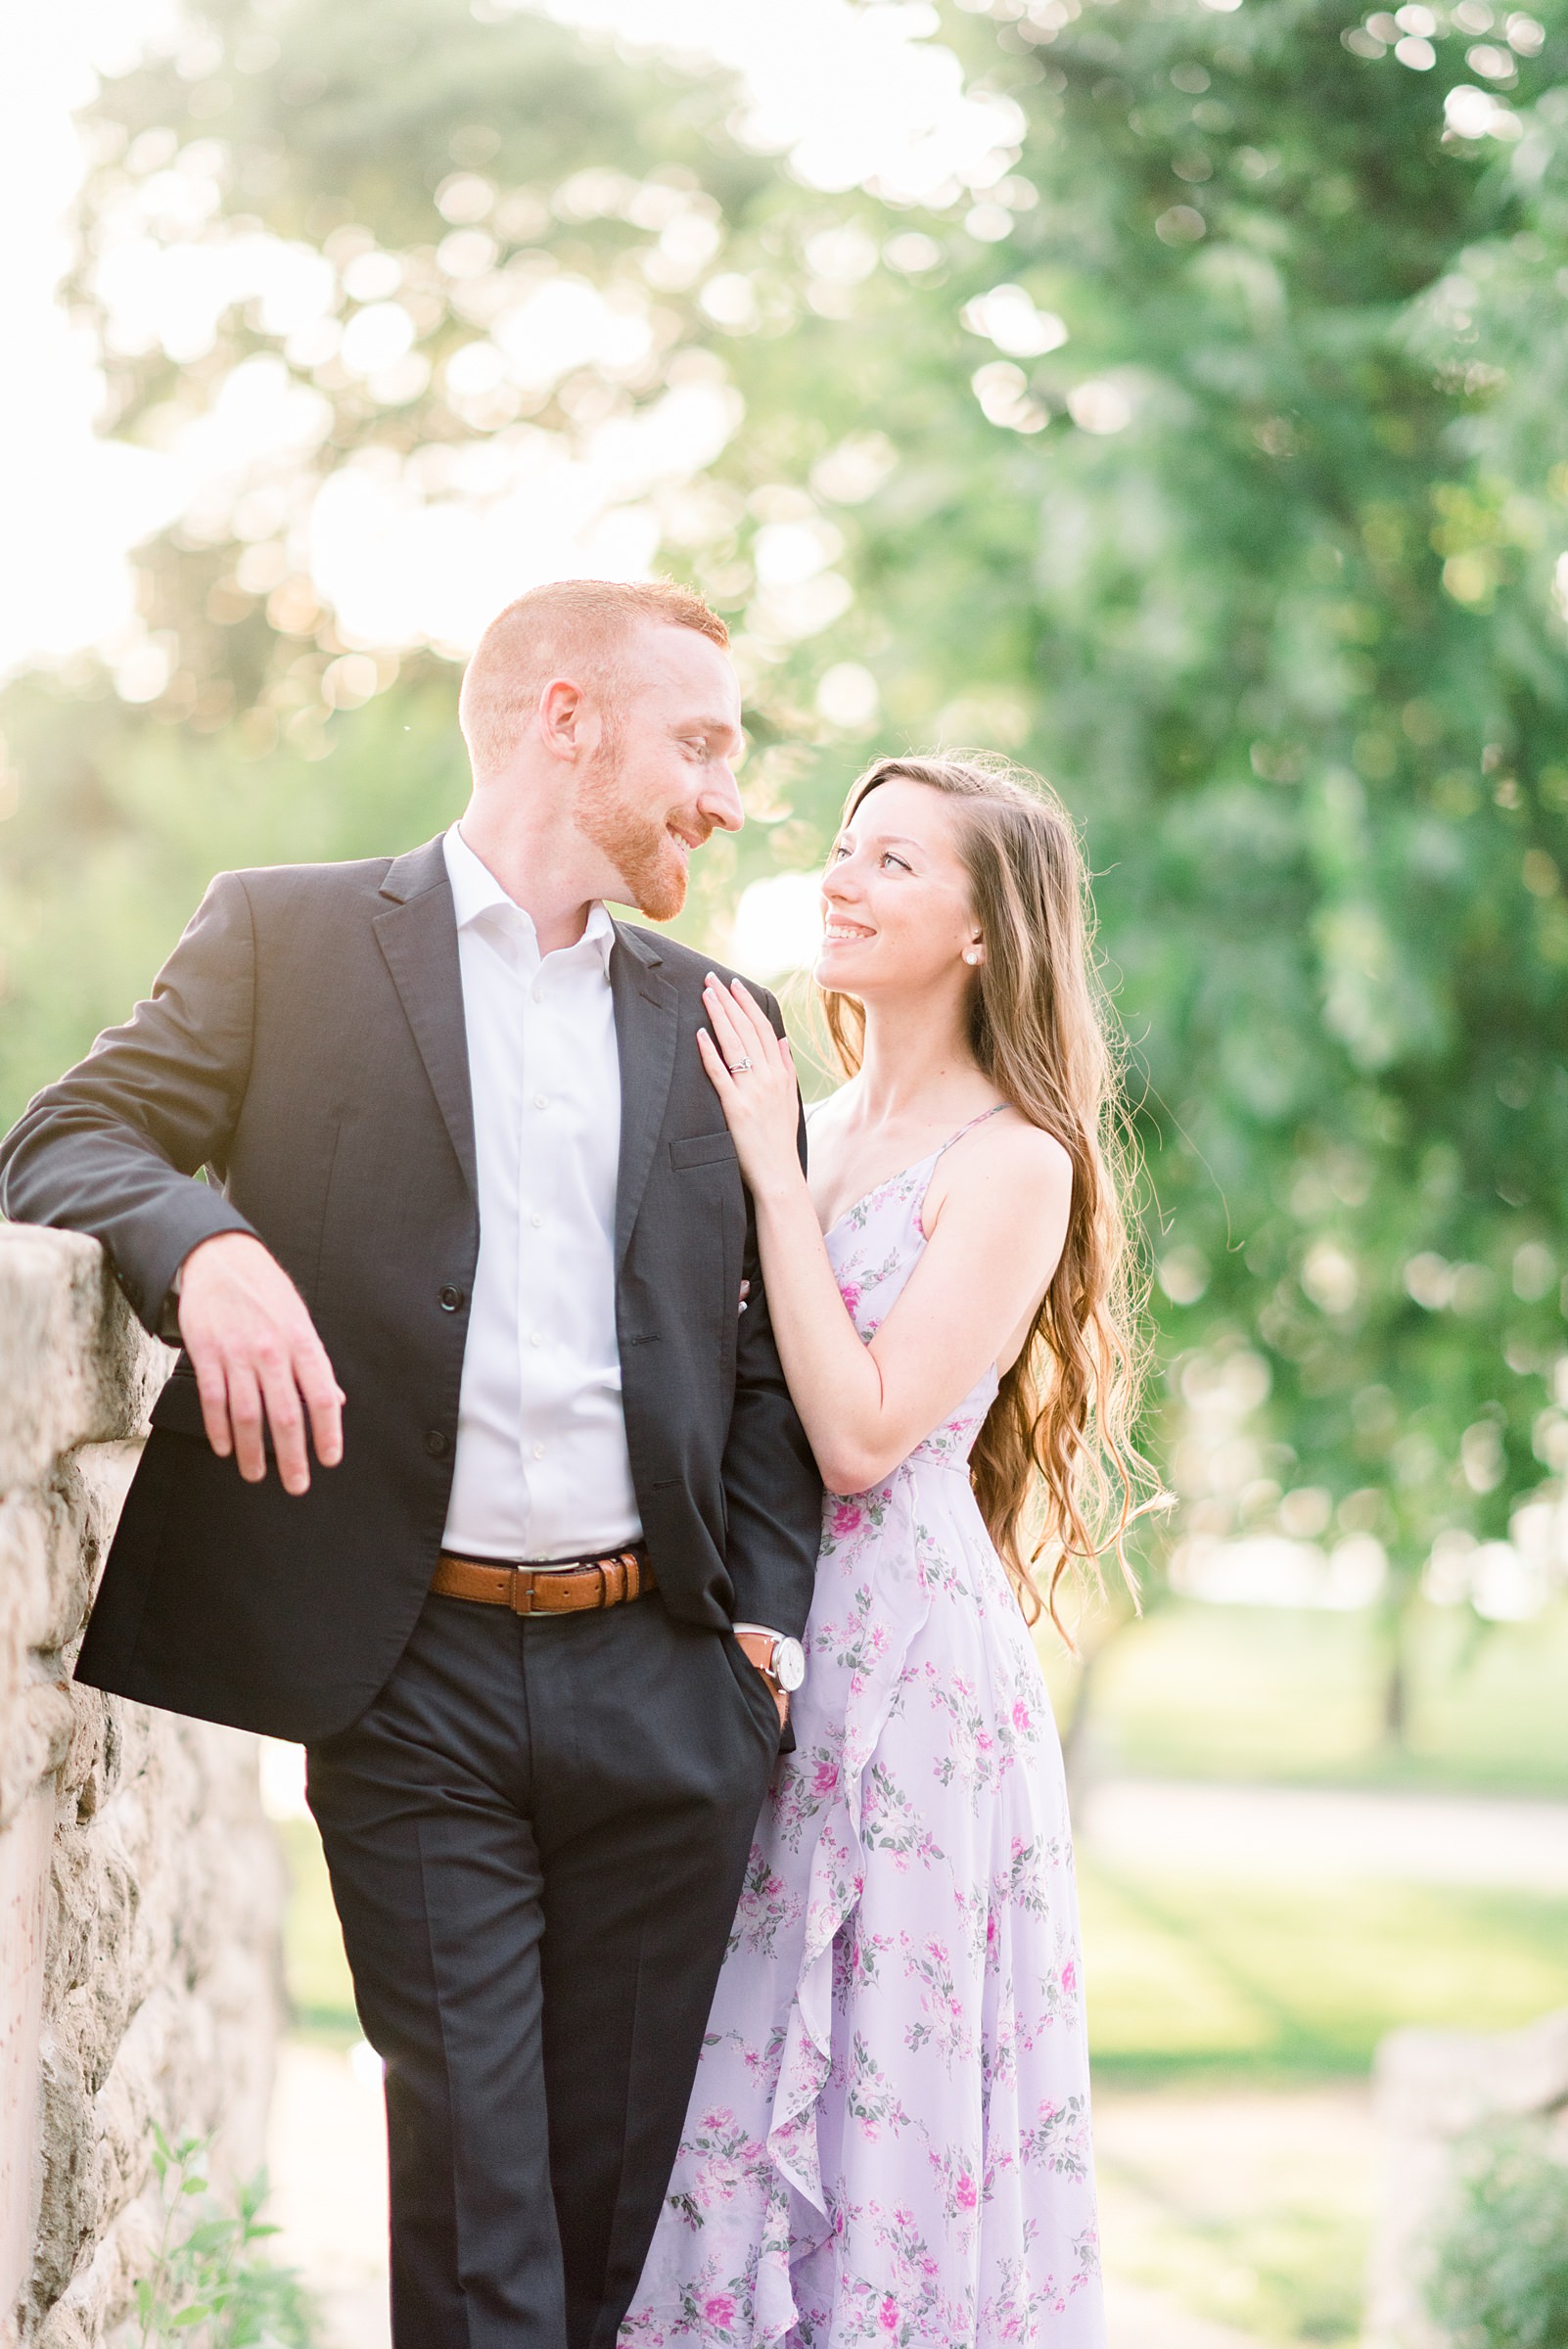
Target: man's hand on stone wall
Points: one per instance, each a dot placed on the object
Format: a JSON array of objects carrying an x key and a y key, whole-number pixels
[{"x": 259, "y": 1362}]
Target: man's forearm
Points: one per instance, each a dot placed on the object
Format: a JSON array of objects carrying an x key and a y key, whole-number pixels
[
  {"x": 772, "y": 1491},
  {"x": 147, "y": 1214},
  {"x": 774, "y": 1500}
]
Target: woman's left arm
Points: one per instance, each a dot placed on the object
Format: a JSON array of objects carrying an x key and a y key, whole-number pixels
[{"x": 991, "y": 1256}]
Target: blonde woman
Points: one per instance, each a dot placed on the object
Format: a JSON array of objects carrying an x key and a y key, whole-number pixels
[{"x": 889, "y": 2136}]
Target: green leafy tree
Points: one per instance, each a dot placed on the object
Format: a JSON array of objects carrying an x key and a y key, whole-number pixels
[
  {"x": 402, "y": 151},
  {"x": 1250, "y": 543},
  {"x": 1205, "y": 449}
]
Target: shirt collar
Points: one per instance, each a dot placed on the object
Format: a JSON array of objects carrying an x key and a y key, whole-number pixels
[{"x": 476, "y": 892}]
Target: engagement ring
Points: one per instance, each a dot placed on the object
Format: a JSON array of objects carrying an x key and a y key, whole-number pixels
[{"x": 738, "y": 1068}]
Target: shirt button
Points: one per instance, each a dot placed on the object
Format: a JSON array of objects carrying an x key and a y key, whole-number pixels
[
  {"x": 536, "y": 1222},
  {"x": 539, "y": 1101},
  {"x": 538, "y": 995},
  {"x": 538, "y": 1452},
  {"x": 534, "y": 1339},
  {"x": 450, "y": 1299},
  {"x": 438, "y": 1443}
]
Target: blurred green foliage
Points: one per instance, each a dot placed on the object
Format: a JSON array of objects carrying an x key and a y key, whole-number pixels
[
  {"x": 124, "y": 820},
  {"x": 210, "y": 2285},
  {"x": 1292, "y": 1696},
  {"x": 1499, "y": 2275},
  {"x": 321, "y": 1996},
  {"x": 1247, "y": 538}
]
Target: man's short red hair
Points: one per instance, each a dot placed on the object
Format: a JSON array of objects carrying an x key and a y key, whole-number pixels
[{"x": 573, "y": 626}]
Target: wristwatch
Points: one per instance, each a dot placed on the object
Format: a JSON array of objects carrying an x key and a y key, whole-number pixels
[{"x": 781, "y": 1662}]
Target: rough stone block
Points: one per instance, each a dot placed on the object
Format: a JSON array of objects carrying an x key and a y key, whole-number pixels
[{"x": 153, "y": 1888}]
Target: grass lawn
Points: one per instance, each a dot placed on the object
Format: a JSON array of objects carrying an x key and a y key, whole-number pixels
[
  {"x": 315, "y": 1969},
  {"x": 1191, "y": 1983},
  {"x": 1228, "y": 1983},
  {"x": 1251, "y": 2209},
  {"x": 1231, "y": 2027},
  {"x": 1232, "y": 2024},
  {"x": 1294, "y": 1696}
]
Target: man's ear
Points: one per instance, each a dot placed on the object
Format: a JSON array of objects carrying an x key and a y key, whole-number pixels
[{"x": 560, "y": 712}]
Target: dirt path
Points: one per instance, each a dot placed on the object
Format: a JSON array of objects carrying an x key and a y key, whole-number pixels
[
  {"x": 327, "y": 2166},
  {"x": 1296, "y": 1834}
]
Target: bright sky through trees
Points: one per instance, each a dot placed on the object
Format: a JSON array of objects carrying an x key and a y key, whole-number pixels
[
  {"x": 852, "y": 96},
  {"x": 1170, "y": 393},
  {"x": 72, "y": 503}
]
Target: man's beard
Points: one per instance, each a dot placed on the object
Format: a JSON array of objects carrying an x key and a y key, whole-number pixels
[{"x": 651, "y": 868}]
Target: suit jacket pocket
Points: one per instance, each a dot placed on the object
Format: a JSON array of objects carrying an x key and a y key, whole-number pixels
[
  {"x": 312, "y": 1293},
  {"x": 702, "y": 1149}
]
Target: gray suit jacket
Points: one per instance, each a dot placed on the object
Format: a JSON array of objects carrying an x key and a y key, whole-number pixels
[{"x": 304, "y": 1046}]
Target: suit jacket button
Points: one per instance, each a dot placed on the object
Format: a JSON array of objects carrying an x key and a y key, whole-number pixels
[
  {"x": 450, "y": 1299},
  {"x": 437, "y": 1444}
]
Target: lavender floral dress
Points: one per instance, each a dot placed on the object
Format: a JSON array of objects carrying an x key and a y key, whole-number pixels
[{"x": 887, "y": 2138}]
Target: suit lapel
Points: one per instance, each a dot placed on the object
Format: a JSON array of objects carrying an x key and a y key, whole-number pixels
[
  {"x": 647, "y": 1026},
  {"x": 418, "y": 937}
]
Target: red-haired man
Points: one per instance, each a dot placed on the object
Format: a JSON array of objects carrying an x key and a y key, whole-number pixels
[{"x": 474, "y": 1230}]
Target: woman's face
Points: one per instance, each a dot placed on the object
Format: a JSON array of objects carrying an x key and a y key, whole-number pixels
[{"x": 897, "y": 915}]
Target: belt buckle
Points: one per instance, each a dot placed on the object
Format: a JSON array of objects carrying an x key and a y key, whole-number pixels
[{"x": 530, "y": 1580}]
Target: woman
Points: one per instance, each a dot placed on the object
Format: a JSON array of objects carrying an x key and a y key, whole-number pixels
[{"x": 888, "y": 2136}]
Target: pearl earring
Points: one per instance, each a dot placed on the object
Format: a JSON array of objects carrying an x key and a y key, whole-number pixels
[{"x": 971, "y": 955}]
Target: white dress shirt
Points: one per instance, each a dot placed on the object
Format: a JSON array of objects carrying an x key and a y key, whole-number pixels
[{"x": 542, "y": 1469}]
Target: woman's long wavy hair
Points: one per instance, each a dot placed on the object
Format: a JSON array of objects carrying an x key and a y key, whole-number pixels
[{"x": 1055, "y": 1467}]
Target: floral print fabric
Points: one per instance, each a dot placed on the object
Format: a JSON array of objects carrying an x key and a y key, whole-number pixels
[{"x": 888, "y": 2140}]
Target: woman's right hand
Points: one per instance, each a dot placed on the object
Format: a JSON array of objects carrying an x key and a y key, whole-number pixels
[{"x": 753, "y": 1073}]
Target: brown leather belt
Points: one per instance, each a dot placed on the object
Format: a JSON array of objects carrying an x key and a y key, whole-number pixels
[{"x": 569, "y": 1588}]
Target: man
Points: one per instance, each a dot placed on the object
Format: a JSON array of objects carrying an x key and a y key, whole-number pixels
[{"x": 472, "y": 1227}]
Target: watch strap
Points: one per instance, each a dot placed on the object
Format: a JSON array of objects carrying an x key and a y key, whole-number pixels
[{"x": 757, "y": 1646}]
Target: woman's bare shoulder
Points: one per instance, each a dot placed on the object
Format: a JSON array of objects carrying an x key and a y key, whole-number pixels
[{"x": 1005, "y": 1166}]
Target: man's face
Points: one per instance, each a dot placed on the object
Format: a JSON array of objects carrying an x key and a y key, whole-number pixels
[{"x": 662, "y": 776}]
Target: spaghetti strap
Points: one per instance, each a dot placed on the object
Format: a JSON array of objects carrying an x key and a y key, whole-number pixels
[
  {"x": 920, "y": 1164},
  {"x": 994, "y": 1112}
]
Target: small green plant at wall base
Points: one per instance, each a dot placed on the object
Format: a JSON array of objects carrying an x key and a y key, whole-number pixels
[
  {"x": 210, "y": 2288},
  {"x": 1500, "y": 2272}
]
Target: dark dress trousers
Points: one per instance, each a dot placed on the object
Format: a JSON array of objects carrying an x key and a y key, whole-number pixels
[{"x": 536, "y": 1829}]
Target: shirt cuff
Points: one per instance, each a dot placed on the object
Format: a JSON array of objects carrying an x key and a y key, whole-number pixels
[{"x": 168, "y": 1319}]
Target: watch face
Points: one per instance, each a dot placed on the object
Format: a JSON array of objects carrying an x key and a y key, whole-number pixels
[{"x": 789, "y": 1664}]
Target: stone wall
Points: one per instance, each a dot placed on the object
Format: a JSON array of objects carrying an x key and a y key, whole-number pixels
[{"x": 140, "y": 1886}]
